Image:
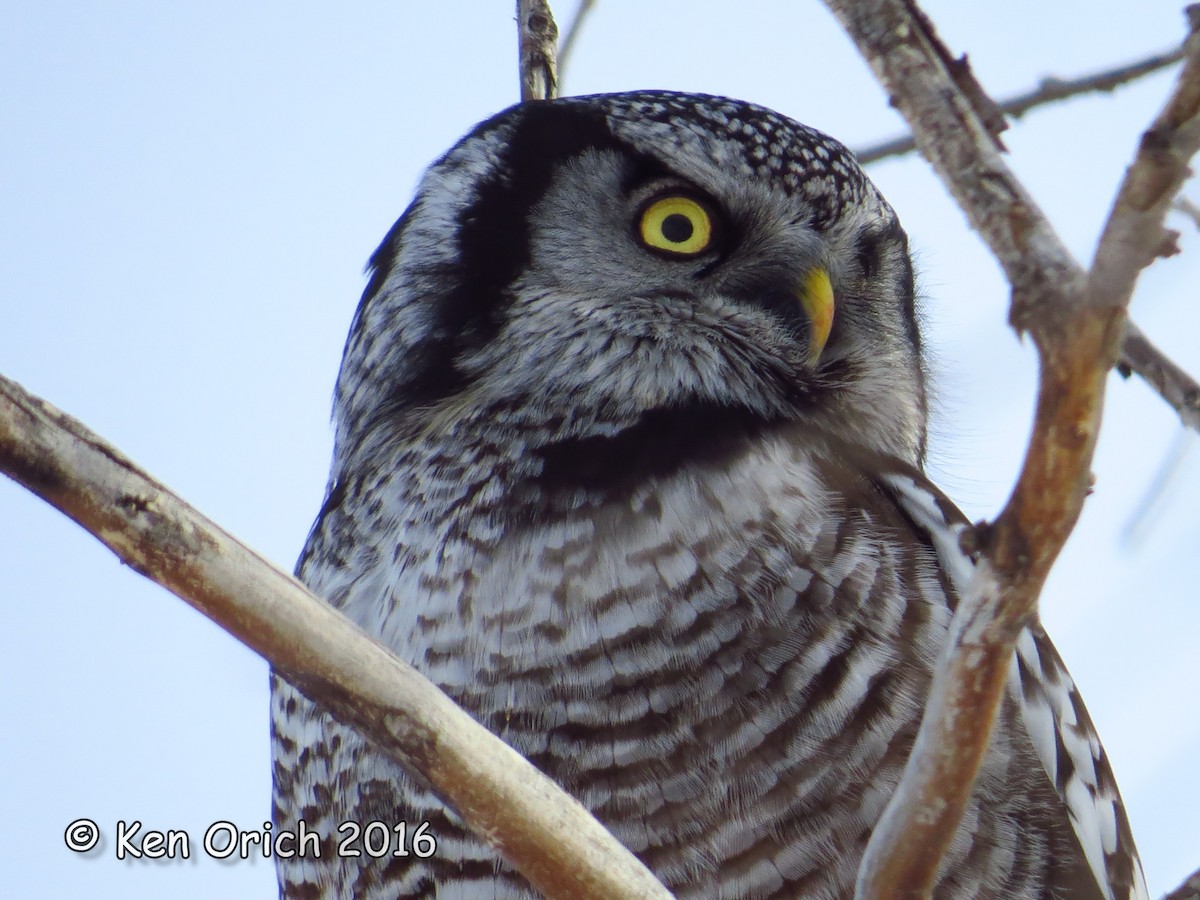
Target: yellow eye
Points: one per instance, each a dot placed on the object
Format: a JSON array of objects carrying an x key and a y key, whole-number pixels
[{"x": 677, "y": 225}]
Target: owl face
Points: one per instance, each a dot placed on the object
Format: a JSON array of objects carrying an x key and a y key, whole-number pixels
[{"x": 603, "y": 258}]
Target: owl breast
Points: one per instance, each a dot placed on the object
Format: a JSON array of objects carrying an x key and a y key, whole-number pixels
[{"x": 707, "y": 659}]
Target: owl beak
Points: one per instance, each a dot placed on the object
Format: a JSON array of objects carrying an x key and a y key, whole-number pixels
[{"x": 816, "y": 296}]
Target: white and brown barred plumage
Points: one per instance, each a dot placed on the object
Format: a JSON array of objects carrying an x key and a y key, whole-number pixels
[{"x": 610, "y": 500}]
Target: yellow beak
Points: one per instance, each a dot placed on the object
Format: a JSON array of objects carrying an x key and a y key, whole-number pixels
[{"x": 816, "y": 296}]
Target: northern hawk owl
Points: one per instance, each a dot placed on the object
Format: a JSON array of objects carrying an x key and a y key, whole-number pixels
[{"x": 630, "y": 432}]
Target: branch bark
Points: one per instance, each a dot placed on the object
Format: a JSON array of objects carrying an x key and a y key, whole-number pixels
[
  {"x": 1077, "y": 321},
  {"x": 545, "y": 834},
  {"x": 537, "y": 43}
]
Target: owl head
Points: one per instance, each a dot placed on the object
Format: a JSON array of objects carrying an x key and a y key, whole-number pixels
[{"x": 591, "y": 261}]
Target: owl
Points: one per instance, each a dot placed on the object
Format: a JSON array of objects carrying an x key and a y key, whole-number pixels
[{"x": 629, "y": 437}]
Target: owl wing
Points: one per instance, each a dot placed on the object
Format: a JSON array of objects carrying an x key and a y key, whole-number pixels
[{"x": 1051, "y": 708}]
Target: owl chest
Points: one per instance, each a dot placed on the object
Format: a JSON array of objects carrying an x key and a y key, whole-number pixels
[
  {"x": 729, "y": 586},
  {"x": 700, "y": 660}
]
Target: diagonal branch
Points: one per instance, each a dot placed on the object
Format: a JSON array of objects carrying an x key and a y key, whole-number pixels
[
  {"x": 1185, "y": 206},
  {"x": 549, "y": 837},
  {"x": 1173, "y": 384},
  {"x": 574, "y": 29},
  {"x": 1077, "y": 322},
  {"x": 1164, "y": 375},
  {"x": 1050, "y": 90}
]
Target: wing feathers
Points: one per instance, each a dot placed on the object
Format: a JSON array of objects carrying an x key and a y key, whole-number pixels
[{"x": 1053, "y": 712}]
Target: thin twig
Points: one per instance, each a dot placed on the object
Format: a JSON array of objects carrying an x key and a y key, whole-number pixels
[
  {"x": 1171, "y": 382},
  {"x": 546, "y": 835},
  {"x": 537, "y": 47},
  {"x": 1156, "y": 496},
  {"x": 1050, "y": 90},
  {"x": 1077, "y": 322},
  {"x": 573, "y": 31},
  {"x": 1162, "y": 373},
  {"x": 1182, "y": 204}
]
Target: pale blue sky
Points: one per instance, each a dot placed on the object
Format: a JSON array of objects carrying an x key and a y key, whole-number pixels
[{"x": 188, "y": 193}]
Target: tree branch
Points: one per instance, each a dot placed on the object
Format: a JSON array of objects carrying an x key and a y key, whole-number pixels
[
  {"x": 1189, "y": 890},
  {"x": 537, "y": 43},
  {"x": 1138, "y": 354},
  {"x": 1050, "y": 90},
  {"x": 1173, "y": 384},
  {"x": 1183, "y": 205},
  {"x": 573, "y": 31},
  {"x": 545, "y": 834},
  {"x": 1077, "y": 322}
]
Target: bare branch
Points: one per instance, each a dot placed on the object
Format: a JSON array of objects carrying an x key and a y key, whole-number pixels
[
  {"x": 1134, "y": 235},
  {"x": 1182, "y": 204},
  {"x": 1050, "y": 90},
  {"x": 537, "y": 46},
  {"x": 1138, "y": 355},
  {"x": 1077, "y": 321},
  {"x": 573, "y": 31},
  {"x": 1189, "y": 890},
  {"x": 1054, "y": 89},
  {"x": 1173, "y": 384},
  {"x": 546, "y": 835},
  {"x": 955, "y": 139}
]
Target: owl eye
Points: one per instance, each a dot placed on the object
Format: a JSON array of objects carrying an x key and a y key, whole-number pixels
[{"x": 676, "y": 224}]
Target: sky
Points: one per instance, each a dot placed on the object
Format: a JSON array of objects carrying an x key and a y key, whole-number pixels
[{"x": 188, "y": 194}]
